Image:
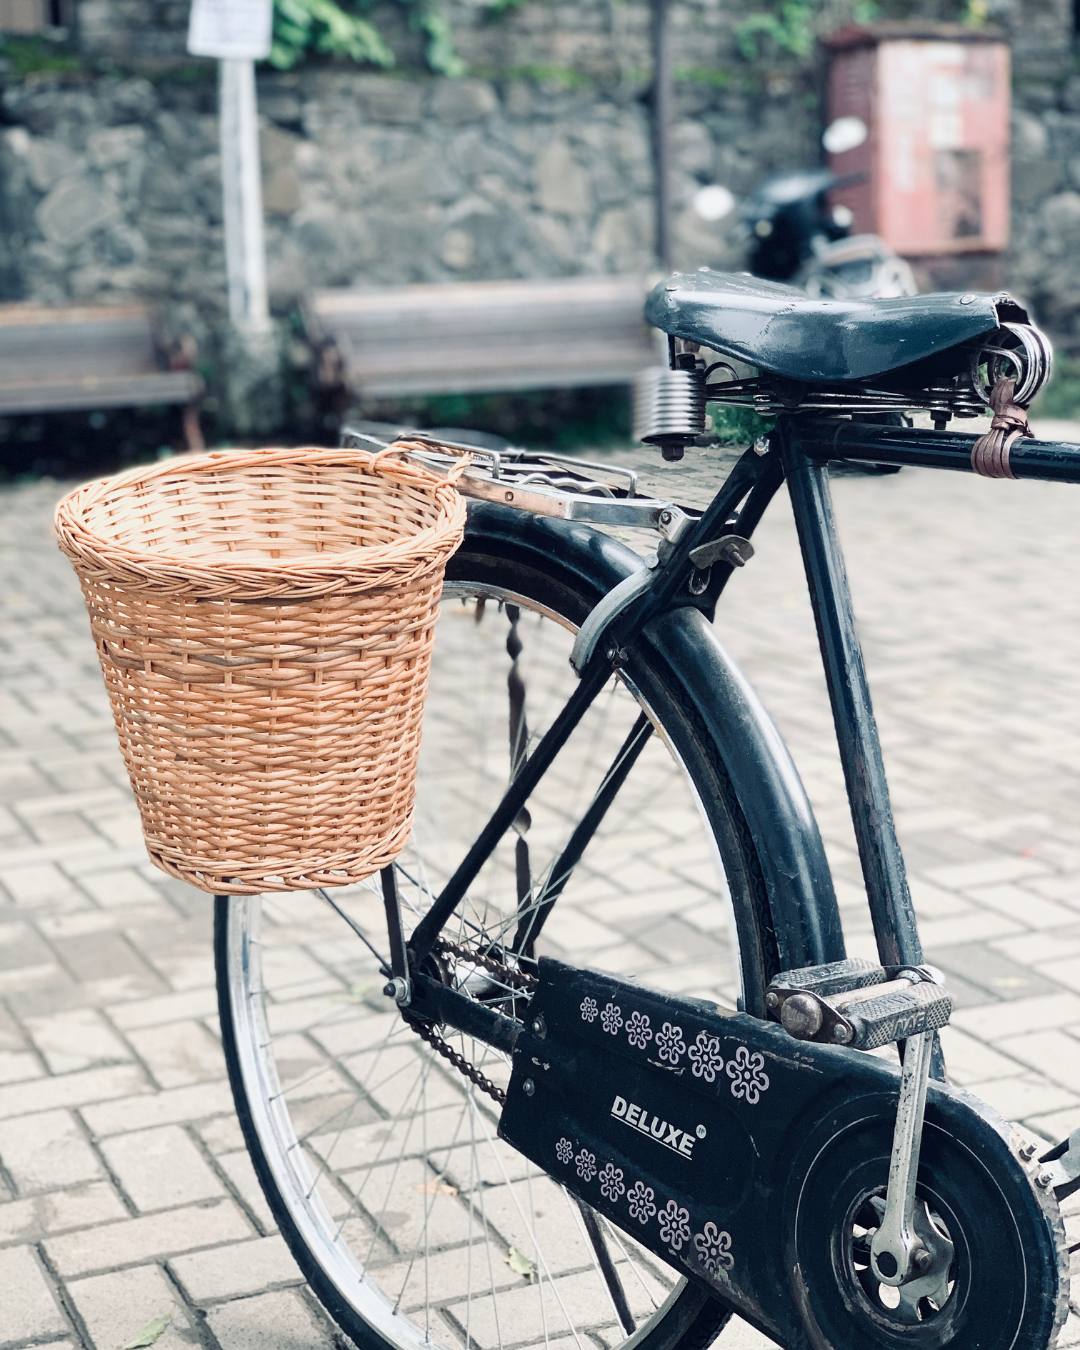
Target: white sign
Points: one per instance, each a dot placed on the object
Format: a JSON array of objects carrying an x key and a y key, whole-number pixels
[{"x": 231, "y": 30}]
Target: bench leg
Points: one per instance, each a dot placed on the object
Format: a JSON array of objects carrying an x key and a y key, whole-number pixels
[{"x": 192, "y": 430}]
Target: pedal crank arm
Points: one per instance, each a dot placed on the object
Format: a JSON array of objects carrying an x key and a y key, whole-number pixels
[
  {"x": 897, "y": 1253},
  {"x": 400, "y": 986}
]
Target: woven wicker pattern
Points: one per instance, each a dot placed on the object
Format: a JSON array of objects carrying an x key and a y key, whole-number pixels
[{"x": 264, "y": 621}]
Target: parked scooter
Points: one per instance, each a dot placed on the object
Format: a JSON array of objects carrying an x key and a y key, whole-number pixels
[
  {"x": 797, "y": 236},
  {"x": 861, "y": 266},
  {"x": 788, "y": 220}
]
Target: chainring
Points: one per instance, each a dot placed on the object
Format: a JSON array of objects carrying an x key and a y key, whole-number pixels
[{"x": 998, "y": 1283}]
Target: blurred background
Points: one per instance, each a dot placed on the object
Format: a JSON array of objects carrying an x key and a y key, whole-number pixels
[{"x": 436, "y": 142}]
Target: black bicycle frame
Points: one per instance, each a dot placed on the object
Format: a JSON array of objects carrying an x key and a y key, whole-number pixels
[
  {"x": 806, "y": 448},
  {"x": 800, "y": 451}
]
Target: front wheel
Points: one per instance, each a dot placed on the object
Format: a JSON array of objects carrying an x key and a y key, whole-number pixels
[{"x": 379, "y": 1155}]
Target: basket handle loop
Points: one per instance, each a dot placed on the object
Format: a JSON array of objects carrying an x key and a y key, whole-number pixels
[
  {"x": 459, "y": 468},
  {"x": 451, "y": 475}
]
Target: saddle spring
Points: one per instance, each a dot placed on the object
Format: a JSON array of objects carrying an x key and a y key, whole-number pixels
[{"x": 669, "y": 406}]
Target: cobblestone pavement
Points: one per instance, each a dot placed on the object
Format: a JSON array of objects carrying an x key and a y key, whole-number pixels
[{"x": 124, "y": 1187}]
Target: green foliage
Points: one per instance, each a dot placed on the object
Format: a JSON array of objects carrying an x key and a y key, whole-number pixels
[
  {"x": 153, "y": 1331},
  {"x": 792, "y": 27},
  {"x": 331, "y": 29},
  {"x": 737, "y": 426},
  {"x": 1061, "y": 398},
  {"x": 788, "y": 28},
  {"x": 563, "y": 76},
  {"x": 550, "y": 419},
  {"x": 710, "y": 75},
  {"x": 322, "y": 26},
  {"x": 521, "y": 1264},
  {"x": 441, "y": 54},
  {"x": 37, "y": 55}
]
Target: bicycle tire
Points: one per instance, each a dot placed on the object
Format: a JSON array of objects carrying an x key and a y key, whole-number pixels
[{"x": 515, "y": 568}]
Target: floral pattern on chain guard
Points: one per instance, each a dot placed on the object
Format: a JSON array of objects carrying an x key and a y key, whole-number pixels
[{"x": 691, "y": 1127}]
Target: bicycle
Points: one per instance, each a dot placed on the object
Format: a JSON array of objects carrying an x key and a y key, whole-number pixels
[{"x": 469, "y": 1136}]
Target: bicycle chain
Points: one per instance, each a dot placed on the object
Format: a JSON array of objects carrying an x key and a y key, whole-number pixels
[
  {"x": 463, "y": 1066},
  {"x": 516, "y": 979}
]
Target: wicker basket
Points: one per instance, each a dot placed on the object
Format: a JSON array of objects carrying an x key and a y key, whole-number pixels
[{"x": 264, "y": 621}]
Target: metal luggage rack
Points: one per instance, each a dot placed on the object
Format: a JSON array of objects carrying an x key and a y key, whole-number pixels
[{"x": 544, "y": 484}]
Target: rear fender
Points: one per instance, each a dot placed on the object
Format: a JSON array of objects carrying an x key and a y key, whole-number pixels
[{"x": 796, "y": 874}]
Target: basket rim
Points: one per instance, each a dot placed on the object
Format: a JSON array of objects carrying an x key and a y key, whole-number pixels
[{"x": 361, "y": 568}]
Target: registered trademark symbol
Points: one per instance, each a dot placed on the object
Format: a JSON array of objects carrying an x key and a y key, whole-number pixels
[{"x": 700, "y": 1131}]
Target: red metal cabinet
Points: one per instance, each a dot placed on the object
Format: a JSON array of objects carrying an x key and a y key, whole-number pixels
[{"x": 936, "y": 105}]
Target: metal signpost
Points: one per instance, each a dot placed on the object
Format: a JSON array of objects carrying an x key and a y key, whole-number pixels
[
  {"x": 238, "y": 33},
  {"x": 662, "y": 100}
]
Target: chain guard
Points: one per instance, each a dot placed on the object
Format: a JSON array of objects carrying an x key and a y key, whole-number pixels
[{"x": 698, "y": 1132}]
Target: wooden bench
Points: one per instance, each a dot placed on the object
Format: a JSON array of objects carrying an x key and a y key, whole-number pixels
[
  {"x": 481, "y": 336},
  {"x": 87, "y": 357}
]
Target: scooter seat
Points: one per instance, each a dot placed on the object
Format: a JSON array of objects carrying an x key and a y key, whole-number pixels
[{"x": 782, "y": 330}]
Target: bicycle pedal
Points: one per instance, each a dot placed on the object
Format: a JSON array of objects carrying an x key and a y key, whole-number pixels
[
  {"x": 835, "y": 978},
  {"x": 859, "y": 1004}
]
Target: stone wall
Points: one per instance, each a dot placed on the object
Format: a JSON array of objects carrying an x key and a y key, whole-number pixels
[
  {"x": 544, "y": 167},
  {"x": 537, "y": 164},
  {"x": 109, "y": 183},
  {"x": 1043, "y": 260}
]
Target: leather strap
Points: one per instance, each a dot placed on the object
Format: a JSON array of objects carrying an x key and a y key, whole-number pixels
[{"x": 990, "y": 453}]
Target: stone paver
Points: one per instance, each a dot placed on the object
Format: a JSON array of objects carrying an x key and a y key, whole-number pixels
[
  {"x": 115, "y": 1307},
  {"x": 234, "y": 1272},
  {"x": 124, "y": 1187},
  {"x": 46, "y": 1151},
  {"x": 160, "y": 1169},
  {"x": 30, "y": 1304},
  {"x": 132, "y": 1241},
  {"x": 282, "y": 1319}
]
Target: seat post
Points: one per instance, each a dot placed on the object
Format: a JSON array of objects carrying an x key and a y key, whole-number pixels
[{"x": 853, "y": 714}]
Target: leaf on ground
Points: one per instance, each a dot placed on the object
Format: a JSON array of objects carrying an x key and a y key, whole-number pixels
[
  {"x": 356, "y": 994},
  {"x": 436, "y": 1186},
  {"x": 520, "y": 1264},
  {"x": 151, "y": 1332}
]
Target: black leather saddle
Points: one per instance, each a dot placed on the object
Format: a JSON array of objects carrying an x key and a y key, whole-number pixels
[{"x": 782, "y": 330}]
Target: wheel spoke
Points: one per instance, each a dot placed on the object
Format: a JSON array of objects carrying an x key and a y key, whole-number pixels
[
  {"x": 508, "y": 809},
  {"x": 529, "y": 926},
  {"x": 607, "y": 1268}
]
